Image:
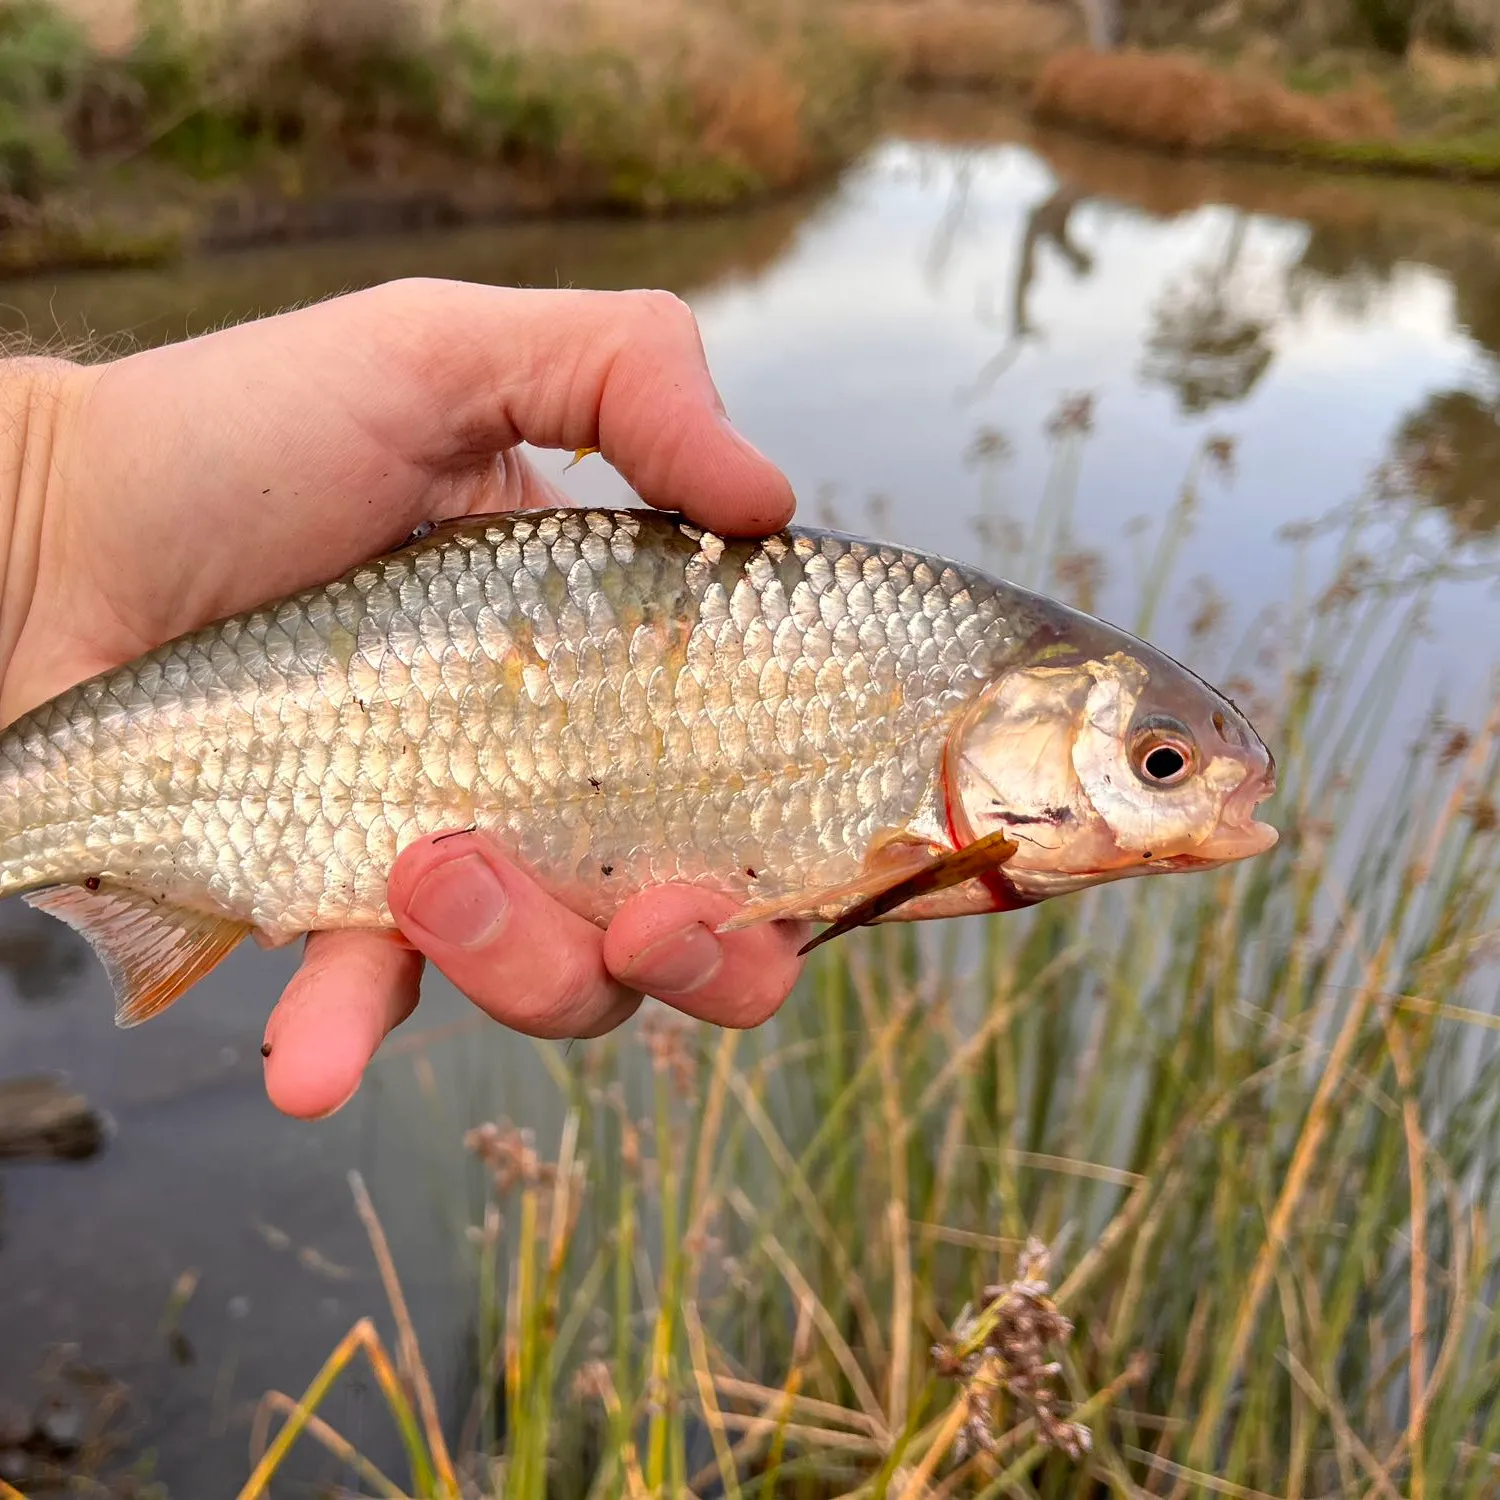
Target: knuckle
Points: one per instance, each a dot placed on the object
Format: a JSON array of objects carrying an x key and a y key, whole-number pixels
[
  {"x": 667, "y": 309},
  {"x": 569, "y": 997},
  {"x": 398, "y": 296}
]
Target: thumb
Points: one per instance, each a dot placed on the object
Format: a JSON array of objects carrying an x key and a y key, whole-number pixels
[{"x": 621, "y": 371}]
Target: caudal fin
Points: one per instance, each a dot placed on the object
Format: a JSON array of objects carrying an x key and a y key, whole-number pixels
[{"x": 153, "y": 952}]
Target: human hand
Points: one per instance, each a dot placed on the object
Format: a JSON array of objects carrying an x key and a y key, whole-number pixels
[{"x": 159, "y": 492}]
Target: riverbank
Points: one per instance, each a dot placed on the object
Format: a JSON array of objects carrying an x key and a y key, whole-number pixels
[
  {"x": 138, "y": 134},
  {"x": 133, "y": 136},
  {"x": 1355, "y": 114}
]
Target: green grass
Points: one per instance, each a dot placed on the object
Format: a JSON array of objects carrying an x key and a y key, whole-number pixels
[
  {"x": 1475, "y": 157},
  {"x": 708, "y": 107},
  {"x": 1251, "y": 1116}
]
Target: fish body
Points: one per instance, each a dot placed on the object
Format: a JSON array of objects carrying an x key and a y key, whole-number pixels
[{"x": 620, "y": 699}]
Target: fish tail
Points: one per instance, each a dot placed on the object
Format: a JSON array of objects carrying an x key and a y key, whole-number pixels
[{"x": 152, "y": 949}]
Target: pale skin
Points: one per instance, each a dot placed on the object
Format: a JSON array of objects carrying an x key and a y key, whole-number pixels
[{"x": 152, "y": 494}]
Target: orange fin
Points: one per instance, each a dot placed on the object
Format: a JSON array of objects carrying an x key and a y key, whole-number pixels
[
  {"x": 892, "y": 863},
  {"x": 938, "y": 873},
  {"x": 579, "y": 454},
  {"x": 152, "y": 951}
]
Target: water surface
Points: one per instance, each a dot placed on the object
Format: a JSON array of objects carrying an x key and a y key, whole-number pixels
[{"x": 900, "y": 344}]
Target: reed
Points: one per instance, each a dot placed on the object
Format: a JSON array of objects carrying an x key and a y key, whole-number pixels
[{"x": 1175, "y": 1188}]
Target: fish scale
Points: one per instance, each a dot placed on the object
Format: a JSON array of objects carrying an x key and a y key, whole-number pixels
[{"x": 620, "y": 698}]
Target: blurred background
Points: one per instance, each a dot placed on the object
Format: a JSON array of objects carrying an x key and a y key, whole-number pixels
[{"x": 1187, "y": 311}]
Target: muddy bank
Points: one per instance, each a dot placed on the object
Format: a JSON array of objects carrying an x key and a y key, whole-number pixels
[{"x": 153, "y": 221}]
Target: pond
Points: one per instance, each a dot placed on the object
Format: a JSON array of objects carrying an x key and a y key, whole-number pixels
[{"x": 904, "y": 344}]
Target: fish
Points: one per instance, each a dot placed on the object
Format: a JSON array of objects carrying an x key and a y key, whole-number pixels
[{"x": 826, "y": 728}]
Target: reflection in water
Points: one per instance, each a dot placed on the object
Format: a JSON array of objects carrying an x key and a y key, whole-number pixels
[
  {"x": 1316, "y": 321},
  {"x": 1210, "y": 344},
  {"x": 141, "y": 308},
  {"x": 1449, "y": 448},
  {"x": 1048, "y": 223},
  {"x": 41, "y": 958},
  {"x": 1356, "y": 262},
  {"x": 1213, "y": 338}
]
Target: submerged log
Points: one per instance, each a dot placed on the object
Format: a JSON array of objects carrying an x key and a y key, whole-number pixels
[{"x": 42, "y": 1118}]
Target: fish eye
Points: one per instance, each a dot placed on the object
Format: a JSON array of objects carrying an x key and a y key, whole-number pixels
[{"x": 1163, "y": 753}]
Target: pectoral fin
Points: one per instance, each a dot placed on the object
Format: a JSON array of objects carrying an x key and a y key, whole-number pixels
[
  {"x": 897, "y": 872},
  {"x": 941, "y": 871},
  {"x": 153, "y": 951}
]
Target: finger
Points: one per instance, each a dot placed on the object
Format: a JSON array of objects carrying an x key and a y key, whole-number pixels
[
  {"x": 663, "y": 942},
  {"x": 622, "y": 371},
  {"x": 516, "y": 953},
  {"x": 352, "y": 990}
]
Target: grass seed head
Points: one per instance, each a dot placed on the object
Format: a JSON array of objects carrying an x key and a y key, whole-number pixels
[{"x": 1003, "y": 1351}]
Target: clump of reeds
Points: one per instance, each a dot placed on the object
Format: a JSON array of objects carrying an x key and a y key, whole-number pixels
[
  {"x": 598, "y": 101},
  {"x": 1184, "y": 103},
  {"x": 1253, "y": 1117}
]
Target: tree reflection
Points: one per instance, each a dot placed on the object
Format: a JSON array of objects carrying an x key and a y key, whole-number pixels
[
  {"x": 1350, "y": 264},
  {"x": 1211, "y": 335},
  {"x": 1208, "y": 343},
  {"x": 1446, "y": 452},
  {"x": 1448, "y": 455},
  {"x": 1048, "y": 222}
]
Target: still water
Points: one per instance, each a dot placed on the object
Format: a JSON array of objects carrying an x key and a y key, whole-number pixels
[{"x": 899, "y": 344}]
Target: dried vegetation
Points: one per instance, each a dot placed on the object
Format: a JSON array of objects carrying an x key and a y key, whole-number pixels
[
  {"x": 965, "y": 43},
  {"x": 1181, "y": 102},
  {"x": 1182, "y": 1187},
  {"x": 121, "y": 121}
]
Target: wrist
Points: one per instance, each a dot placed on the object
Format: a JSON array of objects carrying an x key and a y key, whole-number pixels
[{"x": 39, "y": 397}]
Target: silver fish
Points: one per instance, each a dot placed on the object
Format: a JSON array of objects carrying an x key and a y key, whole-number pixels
[{"x": 821, "y": 726}]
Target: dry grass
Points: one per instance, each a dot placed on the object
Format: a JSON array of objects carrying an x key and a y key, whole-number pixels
[
  {"x": 1447, "y": 72},
  {"x": 1176, "y": 101},
  {"x": 965, "y": 43},
  {"x": 639, "y": 104},
  {"x": 1249, "y": 1118},
  {"x": 676, "y": 101}
]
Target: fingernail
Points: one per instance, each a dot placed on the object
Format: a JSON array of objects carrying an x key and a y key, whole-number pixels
[
  {"x": 677, "y": 965},
  {"x": 460, "y": 902}
]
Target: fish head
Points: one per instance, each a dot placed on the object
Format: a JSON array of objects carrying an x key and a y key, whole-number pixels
[{"x": 1111, "y": 765}]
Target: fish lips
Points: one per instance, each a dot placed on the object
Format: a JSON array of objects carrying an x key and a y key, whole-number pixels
[
  {"x": 1224, "y": 846},
  {"x": 1239, "y": 834}
]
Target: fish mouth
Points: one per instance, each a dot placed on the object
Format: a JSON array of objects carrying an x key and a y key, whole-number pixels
[
  {"x": 1225, "y": 846},
  {"x": 1239, "y": 834}
]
